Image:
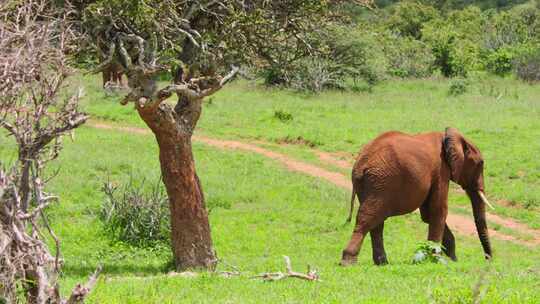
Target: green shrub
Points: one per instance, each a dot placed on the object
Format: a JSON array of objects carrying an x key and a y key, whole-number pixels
[
  {"x": 506, "y": 34},
  {"x": 315, "y": 74},
  {"x": 527, "y": 65},
  {"x": 283, "y": 116},
  {"x": 408, "y": 18},
  {"x": 408, "y": 57},
  {"x": 348, "y": 53},
  {"x": 458, "y": 86},
  {"x": 456, "y": 41},
  {"x": 134, "y": 215},
  {"x": 501, "y": 61}
]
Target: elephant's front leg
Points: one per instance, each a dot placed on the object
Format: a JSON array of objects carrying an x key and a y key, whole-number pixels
[
  {"x": 377, "y": 244},
  {"x": 448, "y": 240},
  {"x": 437, "y": 206},
  {"x": 449, "y": 243}
]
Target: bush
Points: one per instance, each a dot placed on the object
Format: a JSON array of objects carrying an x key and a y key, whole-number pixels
[
  {"x": 458, "y": 86},
  {"x": 455, "y": 41},
  {"x": 344, "y": 53},
  {"x": 408, "y": 57},
  {"x": 408, "y": 18},
  {"x": 315, "y": 74},
  {"x": 133, "y": 215},
  {"x": 501, "y": 61},
  {"x": 283, "y": 116},
  {"x": 527, "y": 65}
]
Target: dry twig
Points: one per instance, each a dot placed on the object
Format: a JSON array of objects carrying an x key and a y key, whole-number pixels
[
  {"x": 310, "y": 275},
  {"x": 34, "y": 43}
]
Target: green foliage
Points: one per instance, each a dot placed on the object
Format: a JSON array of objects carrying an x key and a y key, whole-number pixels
[
  {"x": 458, "y": 86},
  {"x": 344, "y": 53},
  {"x": 527, "y": 65},
  {"x": 408, "y": 18},
  {"x": 134, "y": 215},
  {"x": 205, "y": 37},
  {"x": 314, "y": 75},
  {"x": 500, "y": 62},
  {"x": 408, "y": 57},
  {"x": 429, "y": 252},
  {"x": 455, "y": 41}
]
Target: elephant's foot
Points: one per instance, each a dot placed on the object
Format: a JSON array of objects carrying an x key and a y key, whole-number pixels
[
  {"x": 380, "y": 260},
  {"x": 348, "y": 259},
  {"x": 451, "y": 255},
  {"x": 347, "y": 263}
]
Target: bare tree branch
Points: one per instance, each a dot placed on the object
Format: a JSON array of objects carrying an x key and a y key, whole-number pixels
[
  {"x": 311, "y": 274},
  {"x": 35, "y": 41}
]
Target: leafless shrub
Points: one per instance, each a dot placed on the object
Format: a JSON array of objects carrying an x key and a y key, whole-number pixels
[
  {"x": 34, "y": 44},
  {"x": 527, "y": 66}
]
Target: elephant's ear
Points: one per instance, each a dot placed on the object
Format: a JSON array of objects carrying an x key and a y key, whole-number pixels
[{"x": 453, "y": 149}]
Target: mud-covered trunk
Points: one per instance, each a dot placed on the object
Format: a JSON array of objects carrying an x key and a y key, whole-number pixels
[
  {"x": 479, "y": 212},
  {"x": 190, "y": 229}
]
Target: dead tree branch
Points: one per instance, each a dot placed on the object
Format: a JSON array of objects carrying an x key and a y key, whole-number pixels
[
  {"x": 310, "y": 275},
  {"x": 80, "y": 292},
  {"x": 35, "y": 41}
]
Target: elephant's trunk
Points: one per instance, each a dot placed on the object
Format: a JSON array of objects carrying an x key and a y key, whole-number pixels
[{"x": 479, "y": 212}]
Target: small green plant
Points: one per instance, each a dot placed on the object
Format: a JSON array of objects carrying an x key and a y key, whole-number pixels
[
  {"x": 429, "y": 252},
  {"x": 133, "y": 215},
  {"x": 283, "y": 116},
  {"x": 458, "y": 86}
]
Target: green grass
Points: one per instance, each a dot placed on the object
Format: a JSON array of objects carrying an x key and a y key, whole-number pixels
[
  {"x": 271, "y": 212},
  {"x": 501, "y": 116},
  {"x": 260, "y": 211}
]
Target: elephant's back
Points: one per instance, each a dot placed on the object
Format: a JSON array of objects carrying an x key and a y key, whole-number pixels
[{"x": 392, "y": 166}]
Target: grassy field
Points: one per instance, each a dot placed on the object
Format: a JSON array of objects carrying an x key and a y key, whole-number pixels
[
  {"x": 501, "y": 116},
  {"x": 289, "y": 214},
  {"x": 261, "y": 211}
]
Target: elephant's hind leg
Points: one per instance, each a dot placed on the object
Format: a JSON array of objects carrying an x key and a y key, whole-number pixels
[
  {"x": 377, "y": 244},
  {"x": 370, "y": 215},
  {"x": 449, "y": 243}
]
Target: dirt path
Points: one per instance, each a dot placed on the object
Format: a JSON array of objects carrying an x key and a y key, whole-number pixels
[{"x": 459, "y": 223}]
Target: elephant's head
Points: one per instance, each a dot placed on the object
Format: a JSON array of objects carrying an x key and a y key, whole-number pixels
[{"x": 467, "y": 169}]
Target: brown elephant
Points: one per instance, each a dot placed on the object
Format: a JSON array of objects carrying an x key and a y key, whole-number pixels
[
  {"x": 397, "y": 173},
  {"x": 113, "y": 76}
]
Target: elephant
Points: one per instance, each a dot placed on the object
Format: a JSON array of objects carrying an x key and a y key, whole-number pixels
[{"x": 397, "y": 173}]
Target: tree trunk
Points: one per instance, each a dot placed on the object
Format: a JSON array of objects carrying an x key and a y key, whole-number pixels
[{"x": 190, "y": 229}]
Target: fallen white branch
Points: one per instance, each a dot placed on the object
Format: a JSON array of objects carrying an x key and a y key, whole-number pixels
[{"x": 311, "y": 274}]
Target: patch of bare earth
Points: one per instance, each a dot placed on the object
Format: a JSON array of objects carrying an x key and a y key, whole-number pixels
[
  {"x": 459, "y": 223},
  {"x": 340, "y": 160}
]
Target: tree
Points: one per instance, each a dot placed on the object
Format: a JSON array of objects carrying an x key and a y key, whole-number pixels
[
  {"x": 201, "y": 43},
  {"x": 34, "y": 44}
]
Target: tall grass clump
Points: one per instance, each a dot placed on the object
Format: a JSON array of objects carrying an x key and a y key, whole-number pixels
[{"x": 136, "y": 214}]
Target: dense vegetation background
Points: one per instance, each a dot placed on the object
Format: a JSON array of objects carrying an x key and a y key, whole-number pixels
[{"x": 417, "y": 39}]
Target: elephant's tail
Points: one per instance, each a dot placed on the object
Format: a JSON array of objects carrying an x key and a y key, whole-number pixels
[{"x": 353, "y": 196}]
